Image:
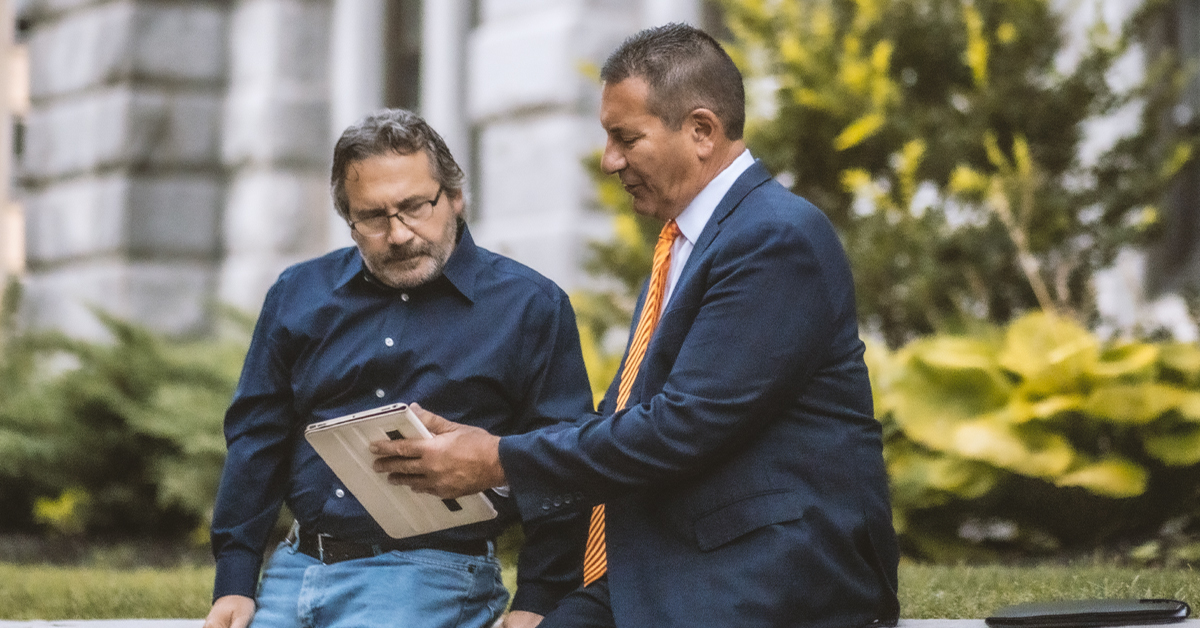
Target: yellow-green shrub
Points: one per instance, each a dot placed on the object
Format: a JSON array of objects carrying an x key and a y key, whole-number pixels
[{"x": 1037, "y": 437}]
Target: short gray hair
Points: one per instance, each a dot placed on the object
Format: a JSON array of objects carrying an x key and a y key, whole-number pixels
[
  {"x": 391, "y": 131},
  {"x": 686, "y": 69}
]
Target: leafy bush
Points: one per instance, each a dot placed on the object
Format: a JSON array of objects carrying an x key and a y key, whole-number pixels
[
  {"x": 1038, "y": 438},
  {"x": 946, "y": 141},
  {"x": 112, "y": 438}
]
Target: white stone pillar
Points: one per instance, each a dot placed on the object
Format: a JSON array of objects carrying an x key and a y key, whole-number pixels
[
  {"x": 12, "y": 227},
  {"x": 534, "y": 108},
  {"x": 275, "y": 143},
  {"x": 355, "y": 78},
  {"x": 121, "y": 174},
  {"x": 443, "y": 97}
]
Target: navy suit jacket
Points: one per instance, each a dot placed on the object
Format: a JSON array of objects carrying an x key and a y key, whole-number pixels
[{"x": 744, "y": 483}]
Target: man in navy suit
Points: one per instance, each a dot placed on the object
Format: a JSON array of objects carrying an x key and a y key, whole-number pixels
[{"x": 744, "y": 478}]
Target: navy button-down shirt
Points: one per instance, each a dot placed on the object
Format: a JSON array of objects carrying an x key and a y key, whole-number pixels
[{"x": 489, "y": 343}]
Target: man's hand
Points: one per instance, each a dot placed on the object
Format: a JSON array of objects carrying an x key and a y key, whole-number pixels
[
  {"x": 521, "y": 619},
  {"x": 230, "y": 611},
  {"x": 459, "y": 459}
]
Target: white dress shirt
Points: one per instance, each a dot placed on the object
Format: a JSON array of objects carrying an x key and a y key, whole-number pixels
[{"x": 691, "y": 222}]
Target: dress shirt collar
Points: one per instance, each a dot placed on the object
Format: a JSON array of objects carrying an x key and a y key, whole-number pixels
[
  {"x": 460, "y": 271},
  {"x": 691, "y": 222}
]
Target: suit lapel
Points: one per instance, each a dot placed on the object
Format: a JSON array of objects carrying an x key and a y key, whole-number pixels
[{"x": 753, "y": 177}]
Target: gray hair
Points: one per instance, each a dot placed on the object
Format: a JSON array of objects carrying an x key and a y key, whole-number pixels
[
  {"x": 686, "y": 69},
  {"x": 391, "y": 131}
]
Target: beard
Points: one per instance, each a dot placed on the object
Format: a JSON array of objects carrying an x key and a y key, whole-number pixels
[{"x": 409, "y": 266}]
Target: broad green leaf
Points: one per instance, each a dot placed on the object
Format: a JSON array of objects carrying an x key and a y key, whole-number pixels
[
  {"x": 1135, "y": 404},
  {"x": 1182, "y": 359},
  {"x": 1034, "y": 453},
  {"x": 944, "y": 382},
  {"x": 1111, "y": 477},
  {"x": 1050, "y": 353},
  {"x": 1131, "y": 360},
  {"x": 1179, "y": 448},
  {"x": 1189, "y": 406},
  {"x": 921, "y": 480},
  {"x": 881, "y": 370}
]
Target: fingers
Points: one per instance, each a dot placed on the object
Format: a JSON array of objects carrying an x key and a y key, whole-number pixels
[
  {"x": 434, "y": 423},
  {"x": 230, "y": 611}
]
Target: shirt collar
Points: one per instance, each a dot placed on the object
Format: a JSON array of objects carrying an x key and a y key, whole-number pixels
[
  {"x": 691, "y": 222},
  {"x": 460, "y": 271}
]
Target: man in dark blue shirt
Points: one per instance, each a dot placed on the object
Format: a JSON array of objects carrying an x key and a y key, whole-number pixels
[{"x": 414, "y": 313}]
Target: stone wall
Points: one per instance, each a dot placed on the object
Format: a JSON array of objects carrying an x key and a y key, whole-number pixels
[{"x": 121, "y": 173}]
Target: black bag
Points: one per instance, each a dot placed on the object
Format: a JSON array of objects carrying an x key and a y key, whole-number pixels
[{"x": 1089, "y": 613}]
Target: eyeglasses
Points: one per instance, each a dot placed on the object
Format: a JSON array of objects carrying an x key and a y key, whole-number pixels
[{"x": 410, "y": 215}]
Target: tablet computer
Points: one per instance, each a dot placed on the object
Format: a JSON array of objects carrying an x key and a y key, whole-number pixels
[{"x": 343, "y": 443}]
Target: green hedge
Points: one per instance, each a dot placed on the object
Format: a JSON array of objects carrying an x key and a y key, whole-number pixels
[
  {"x": 1037, "y": 438},
  {"x": 119, "y": 438},
  {"x": 1032, "y": 439}
]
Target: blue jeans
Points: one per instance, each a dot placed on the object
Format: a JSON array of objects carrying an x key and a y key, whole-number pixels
[{"x": 418, "y": 588}]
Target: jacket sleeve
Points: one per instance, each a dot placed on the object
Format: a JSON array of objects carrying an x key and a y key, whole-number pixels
[
  {"x": 550, "y": 562},
  {"x": 759, "y": 326}
]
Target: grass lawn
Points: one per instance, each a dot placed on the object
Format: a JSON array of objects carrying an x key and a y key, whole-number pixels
[{"x": 926, "y": 591}]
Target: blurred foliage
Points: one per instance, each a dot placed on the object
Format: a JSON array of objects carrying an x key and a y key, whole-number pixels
[
  {"x": 944, "y": 143},
  {"x": 943, "y": 138},
  {"x": 120, "y": 438},
  {"x": 1037, "y": 438}
]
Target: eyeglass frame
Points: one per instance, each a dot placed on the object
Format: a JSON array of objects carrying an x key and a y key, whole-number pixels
[{"x": 398, "y": 215}]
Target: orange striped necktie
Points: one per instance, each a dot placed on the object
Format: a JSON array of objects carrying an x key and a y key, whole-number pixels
[{"x": 595, "y": 558}]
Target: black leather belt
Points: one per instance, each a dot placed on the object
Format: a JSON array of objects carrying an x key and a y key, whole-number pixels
[{"x": 330, "y": 550}]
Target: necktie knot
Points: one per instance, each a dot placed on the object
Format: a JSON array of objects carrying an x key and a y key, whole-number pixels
[{"x": 670, "y": 231}]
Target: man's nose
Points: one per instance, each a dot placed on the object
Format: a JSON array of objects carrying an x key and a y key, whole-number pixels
[
  {"x": 398, "y": 232},
  {"x": 612, "y": 161}
]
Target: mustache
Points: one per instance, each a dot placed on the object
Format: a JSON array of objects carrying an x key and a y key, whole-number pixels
[{"x": 399, "y": 253}]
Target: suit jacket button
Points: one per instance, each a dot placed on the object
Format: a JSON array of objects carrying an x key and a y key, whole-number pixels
[{"x": 545, "y": 504}]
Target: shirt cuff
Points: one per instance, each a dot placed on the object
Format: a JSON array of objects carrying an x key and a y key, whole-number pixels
[{"x": 237, "y": 574}]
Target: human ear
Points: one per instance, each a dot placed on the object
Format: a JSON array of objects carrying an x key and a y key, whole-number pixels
[{"x": 706, "y": 131}]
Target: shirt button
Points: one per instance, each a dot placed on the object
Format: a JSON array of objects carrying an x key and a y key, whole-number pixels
[
  {"x": 404, "y": 296},
  {"x": 340, "y": 493},
  {"x": 389, "y": 342},
  {"x": 379, "y": 393}
]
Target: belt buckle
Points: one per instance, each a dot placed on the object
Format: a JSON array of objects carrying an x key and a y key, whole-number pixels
[{"x": 321, "y": 546}]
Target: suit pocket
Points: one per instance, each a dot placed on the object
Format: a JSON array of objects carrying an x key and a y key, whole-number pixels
[{"x": 718, "y": 527}]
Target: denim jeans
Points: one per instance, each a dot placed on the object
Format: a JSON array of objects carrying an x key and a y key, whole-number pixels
[{"x": 417, "y": 588}]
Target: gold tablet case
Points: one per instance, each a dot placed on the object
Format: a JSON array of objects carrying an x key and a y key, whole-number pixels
[{"x": 343, "y": 444}]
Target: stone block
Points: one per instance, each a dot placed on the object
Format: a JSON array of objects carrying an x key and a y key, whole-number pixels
[
  {"x": 78, "y": 218},
  {"x": 555, "y": 247},
  {"x": 282, "y": 42},
  {"x": 534, "y": 166},
  {"x": 246, "y": 277},
  {"x": 497, "y": 10},
  {"x": 175, "y": 215},
  {"x": 39, "y": 10},
  {"x": 121, "y": 127},
  {"x": 127, "y": 42},
  {"x": 527, "y": 64},
  {"x": 277, "y": 213},
  {"x": 548, "y": 59},
  {"x": 264, "y": 126},
  {"x": 167, "y": 297},
  {"x": 184, "y": 42},
  {"x": 93, "y": 216}
]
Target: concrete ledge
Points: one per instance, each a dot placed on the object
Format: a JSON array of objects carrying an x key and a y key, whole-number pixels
[{"x": 197, "y": 623}]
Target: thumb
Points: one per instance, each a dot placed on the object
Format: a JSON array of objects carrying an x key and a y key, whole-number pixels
[{"x": 434, "y": 423}]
